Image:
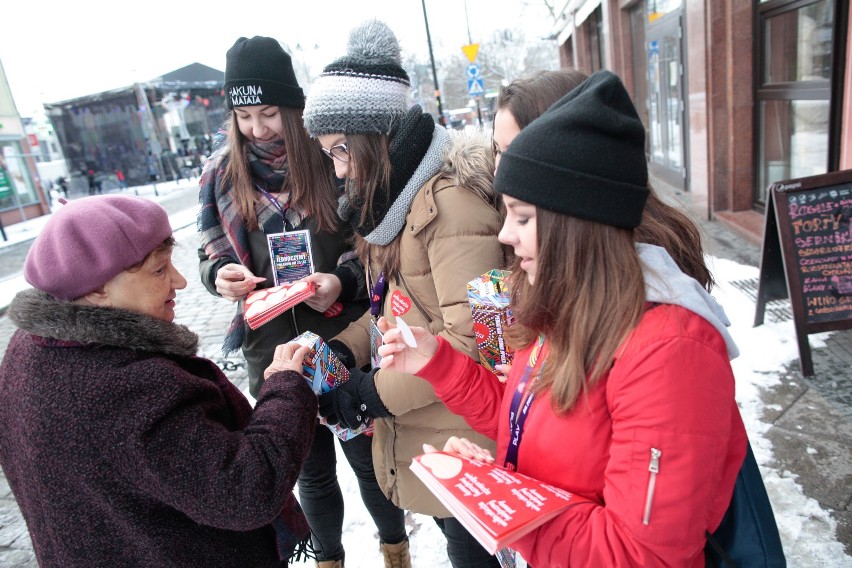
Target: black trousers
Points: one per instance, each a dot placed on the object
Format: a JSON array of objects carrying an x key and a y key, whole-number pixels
[
  {"x": 463, "y": 549},
  {"x": 322, "y": 499}
]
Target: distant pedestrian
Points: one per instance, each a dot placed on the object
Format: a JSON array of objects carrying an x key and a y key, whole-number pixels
[
  {"x": 93, "y": 184},
  {"x": 119, "y": 177},
  {"x": 62, "y": 184},
  {"x": 120, "y": 445}
]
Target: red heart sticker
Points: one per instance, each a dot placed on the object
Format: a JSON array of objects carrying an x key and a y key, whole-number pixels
[
  {"x": 400, "y": 304},
  {"x": 482, "y": 332}
]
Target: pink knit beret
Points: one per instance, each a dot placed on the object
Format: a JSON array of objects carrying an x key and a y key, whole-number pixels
[{"x": 88, "y": 241}]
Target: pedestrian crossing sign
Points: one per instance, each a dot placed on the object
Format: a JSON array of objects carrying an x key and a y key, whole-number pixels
[{"x": 475, "y": 87}]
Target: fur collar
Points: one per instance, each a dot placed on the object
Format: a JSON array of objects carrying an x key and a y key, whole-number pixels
[{"x": 41, "y": 314}]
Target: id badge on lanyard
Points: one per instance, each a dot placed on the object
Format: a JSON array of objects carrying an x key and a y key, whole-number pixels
[{"x": 377, "y": 296}]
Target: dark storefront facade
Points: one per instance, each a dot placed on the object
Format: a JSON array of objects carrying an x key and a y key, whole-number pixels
[{"x": 735, "y": 94}]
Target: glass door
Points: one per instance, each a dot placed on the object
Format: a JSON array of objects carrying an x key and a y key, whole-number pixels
[
  {"x": 666, "y": 109},
  {"x": 793, "y": 95}
]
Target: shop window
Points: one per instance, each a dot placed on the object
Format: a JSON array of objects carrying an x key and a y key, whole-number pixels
[
  {"x": 18, "y": 189},
  {"x": 793, "y": 99}
]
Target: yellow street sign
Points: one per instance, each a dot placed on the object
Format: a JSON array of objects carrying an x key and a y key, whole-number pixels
[{"x": 471, "y": 50}]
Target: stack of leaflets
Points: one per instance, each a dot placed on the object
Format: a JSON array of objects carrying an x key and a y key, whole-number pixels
[
  {"x": 488, "y": 296},
  {"x": 324, "y": 371},
  {"x": 495, "y": 505},
  {"x": 263, "y": 305}
]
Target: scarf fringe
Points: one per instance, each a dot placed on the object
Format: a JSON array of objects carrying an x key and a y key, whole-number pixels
[
  {"x": 236, "y": 334},
  {"x": 303, "y": 552}
]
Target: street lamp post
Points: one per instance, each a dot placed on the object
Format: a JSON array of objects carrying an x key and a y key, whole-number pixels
[{"x": 434, "y": 72}]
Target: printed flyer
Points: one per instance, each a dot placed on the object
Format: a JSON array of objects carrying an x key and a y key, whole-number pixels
[{"x": 290, "y": 254}]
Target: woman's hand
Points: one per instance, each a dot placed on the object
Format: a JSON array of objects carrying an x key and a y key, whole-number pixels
[
  {"x": 234, "y": 281},
  {"x": 287, "y": 357},
  {"x": 503, "y": 372},
  {"x": 397, "y": 355},
  {"x": 464, "y": 448},
  {"x": 327, "y": 291}
]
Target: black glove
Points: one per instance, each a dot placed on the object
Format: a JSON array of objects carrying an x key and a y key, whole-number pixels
[
  {"x": 354, "y": 401},
  {"x": 342, "y": 352}
]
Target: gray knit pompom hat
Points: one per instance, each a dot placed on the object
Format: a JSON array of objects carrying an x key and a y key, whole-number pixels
[{"x": 362, "y": 92}]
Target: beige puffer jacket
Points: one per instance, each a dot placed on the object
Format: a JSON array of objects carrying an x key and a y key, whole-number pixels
[{"x": 450, "y": 237}]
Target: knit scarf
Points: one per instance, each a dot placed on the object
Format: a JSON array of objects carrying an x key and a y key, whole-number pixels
[
  {"x": 416, "y": 150},
  {"x": 221, "y": 227}
]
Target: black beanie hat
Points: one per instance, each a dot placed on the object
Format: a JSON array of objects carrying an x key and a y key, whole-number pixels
[
  {"x": 259, "y": 72},
  {"x": 584, "y": 157}
]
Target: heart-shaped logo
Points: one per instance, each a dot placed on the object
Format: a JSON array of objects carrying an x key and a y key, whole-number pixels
[
  {"x": 482, "y": 332},
  {"x": 400, "y": 304}
]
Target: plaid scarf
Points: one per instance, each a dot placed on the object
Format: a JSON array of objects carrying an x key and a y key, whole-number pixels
[{"x": 223, "y": 230}]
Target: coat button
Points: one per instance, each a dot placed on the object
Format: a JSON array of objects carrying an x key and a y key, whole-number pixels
[{"x": 393, "y": 471}]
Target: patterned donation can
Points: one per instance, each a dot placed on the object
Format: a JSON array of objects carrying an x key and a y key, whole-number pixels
[
  {"x": 324, "y": 372},
  {"x": 488, "y": 296}
]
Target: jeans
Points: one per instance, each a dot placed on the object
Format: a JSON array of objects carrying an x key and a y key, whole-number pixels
[
  {"x": 463, "y": 549},
  {"x": 322, "y": 499}
]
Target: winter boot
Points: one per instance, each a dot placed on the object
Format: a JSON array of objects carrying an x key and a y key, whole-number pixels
[
  {"x": 396, "y": 555},
  {"x": 330, "y": 564}
]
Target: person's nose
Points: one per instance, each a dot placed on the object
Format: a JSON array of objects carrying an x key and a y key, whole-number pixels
[
  {"x": 178, "y": 281},
  {"x": 341, "y": 169},
  {"x": 258, "y": 129},
  {"x": 506, "y": 236}
]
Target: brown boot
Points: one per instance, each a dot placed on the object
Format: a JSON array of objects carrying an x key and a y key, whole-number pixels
[
  {"x": 396, "y": 555},
  {"x": 330, "y": 564}
]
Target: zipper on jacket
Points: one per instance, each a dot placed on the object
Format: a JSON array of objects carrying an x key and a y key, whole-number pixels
[
  {"x": 654, "y": 468},
  {"x": 414, "y": 299}
]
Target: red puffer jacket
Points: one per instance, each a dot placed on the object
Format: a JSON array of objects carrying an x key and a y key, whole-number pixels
[{"x": 669, "y": 394}]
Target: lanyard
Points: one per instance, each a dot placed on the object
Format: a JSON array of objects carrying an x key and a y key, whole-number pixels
[
  {"x": 521, "y": 401},
  {"x": 274, "y": 202},
  {"x": 377, "y": 294}
]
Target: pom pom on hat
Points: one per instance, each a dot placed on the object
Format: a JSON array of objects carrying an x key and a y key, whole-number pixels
[
  {"x": 584, "y": 157},
  {"x": 259, "y": 72},
  {"x": 90, "y": 240},
  {"x": 365, "y": 91}
]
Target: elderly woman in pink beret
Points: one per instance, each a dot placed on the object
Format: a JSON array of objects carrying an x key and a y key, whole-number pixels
[{"x": 121, "y": 446}]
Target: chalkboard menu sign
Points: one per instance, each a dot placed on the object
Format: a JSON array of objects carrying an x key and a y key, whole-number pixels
[{"x": 808, "y": 235}]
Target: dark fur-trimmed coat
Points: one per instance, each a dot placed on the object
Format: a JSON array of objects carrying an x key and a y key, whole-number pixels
[{"x": 123, "y": 448}]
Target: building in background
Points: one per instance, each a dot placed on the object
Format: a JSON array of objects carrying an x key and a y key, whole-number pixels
[
  {"x": 21, "y": 194},
  {"x": 157, "y": 130},
  {"x": 735, "y": 94}
]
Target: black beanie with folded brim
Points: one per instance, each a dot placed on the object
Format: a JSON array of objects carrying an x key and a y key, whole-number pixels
[
  {"x": 259, "y": 72},
  {"x": 584, "y": 157}
]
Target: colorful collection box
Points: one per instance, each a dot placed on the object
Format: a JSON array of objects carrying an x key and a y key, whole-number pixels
[
  {"x": 324, "y": 372},
  {"x": 488, "y": 296}
]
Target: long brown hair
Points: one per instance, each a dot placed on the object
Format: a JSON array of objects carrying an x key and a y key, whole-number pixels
[
  {"x": 311, "y": 181},
  {"x": 371, "y": 170},
  {"x": 662, "y": 224},
  {"x": 589, "y": 294},
  {"x": 527, "y": 99}
]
